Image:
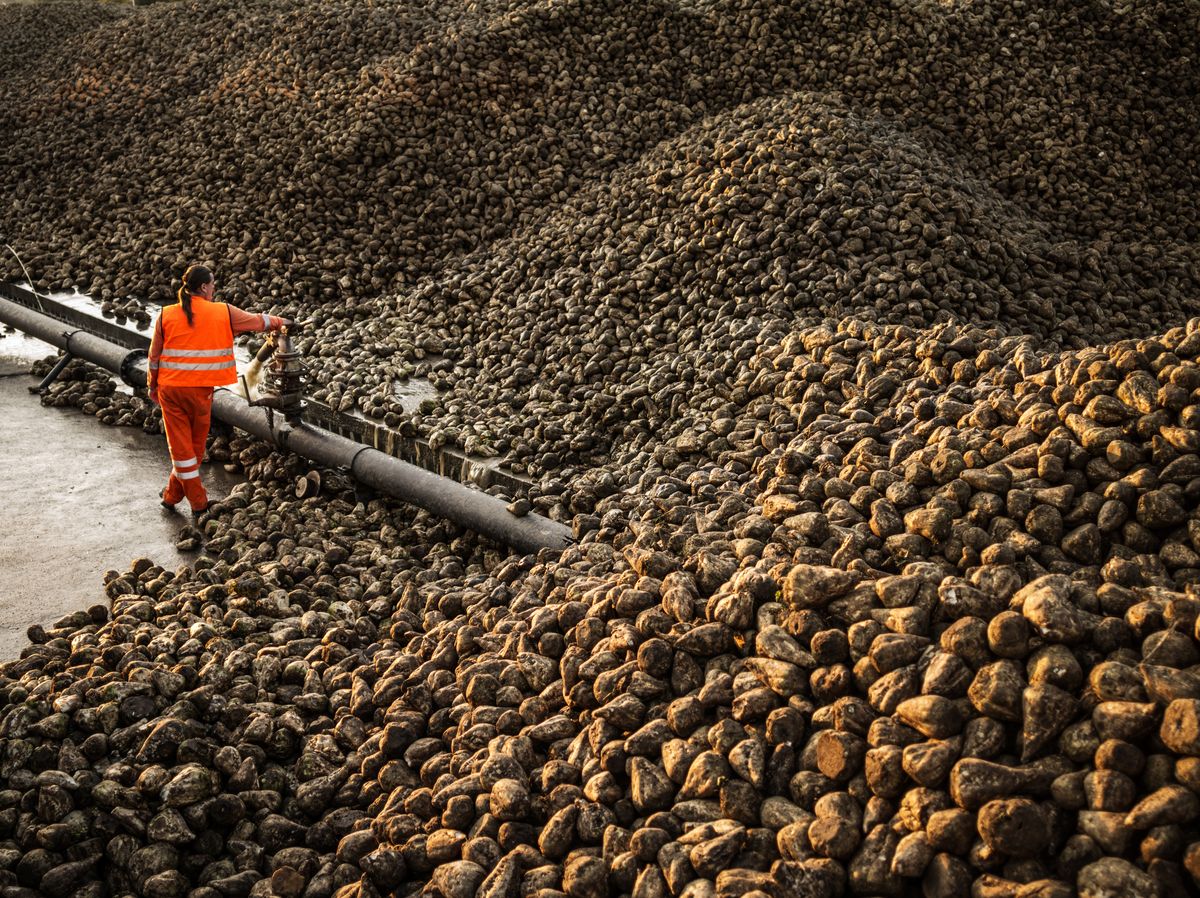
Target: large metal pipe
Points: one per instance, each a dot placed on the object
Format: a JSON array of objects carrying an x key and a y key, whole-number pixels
[
  {"x": 78, "y": 342},
  {"x": 472, "y": 509}
]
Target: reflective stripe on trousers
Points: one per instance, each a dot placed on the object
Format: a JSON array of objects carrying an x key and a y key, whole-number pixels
[{"x": 187, "y": 413}]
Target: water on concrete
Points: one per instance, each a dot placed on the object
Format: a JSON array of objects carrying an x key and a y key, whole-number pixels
[
  {"x": 77, "y": 498},
  {"x": 413, "y": 391}
]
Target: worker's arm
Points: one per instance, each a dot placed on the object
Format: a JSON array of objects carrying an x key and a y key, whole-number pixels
[
  {"x": 152, "y": 361},
  {"x": 247, "y": 322}
]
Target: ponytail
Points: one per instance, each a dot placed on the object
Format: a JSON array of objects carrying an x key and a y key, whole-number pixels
[
  {"x": 185, "y": 300},
  {"x": 193, "y": 279}
]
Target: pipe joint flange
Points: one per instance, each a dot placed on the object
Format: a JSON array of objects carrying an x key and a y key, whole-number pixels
[
  {"x": 354, "y": 458},
  {"x": 129, "y": 366}
]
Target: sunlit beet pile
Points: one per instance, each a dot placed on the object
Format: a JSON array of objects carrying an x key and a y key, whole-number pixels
[{"x": 855, "y": 341}]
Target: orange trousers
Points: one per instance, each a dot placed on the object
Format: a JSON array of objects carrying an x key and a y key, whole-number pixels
[{"x": 187, "y": 413}]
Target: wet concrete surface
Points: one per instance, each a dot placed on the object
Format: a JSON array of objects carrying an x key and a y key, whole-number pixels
[{"x": 78, "y": 498}]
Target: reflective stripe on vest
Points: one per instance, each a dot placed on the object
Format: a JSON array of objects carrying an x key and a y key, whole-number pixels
[
  {"x": 195, "y": 353},
  {"x": 193, "y": 366},
  {"x": 199, "y": 354}
]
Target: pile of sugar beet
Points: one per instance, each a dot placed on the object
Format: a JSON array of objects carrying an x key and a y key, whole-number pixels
[
  {"x": 923, "y": 623},
  {"x": 855, "y": 342},
  {"x": 575, "y": 218}
]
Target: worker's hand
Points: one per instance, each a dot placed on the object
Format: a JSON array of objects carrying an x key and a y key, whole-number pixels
[{"x": 152, "y": 392}]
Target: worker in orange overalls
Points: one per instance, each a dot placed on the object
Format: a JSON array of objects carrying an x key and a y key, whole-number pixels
[{"x": 191, "y": 353}]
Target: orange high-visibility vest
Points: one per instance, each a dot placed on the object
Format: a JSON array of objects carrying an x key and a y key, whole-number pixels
[{"x": 199, "y": 355}]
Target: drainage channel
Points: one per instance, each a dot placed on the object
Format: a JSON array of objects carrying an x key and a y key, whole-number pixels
[
  {"x": 373, "y": 454},
  {"x": 80, "y": 311}
]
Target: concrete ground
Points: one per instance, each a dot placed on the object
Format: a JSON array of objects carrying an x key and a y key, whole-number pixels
[{"x": 79, "y": 498}]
